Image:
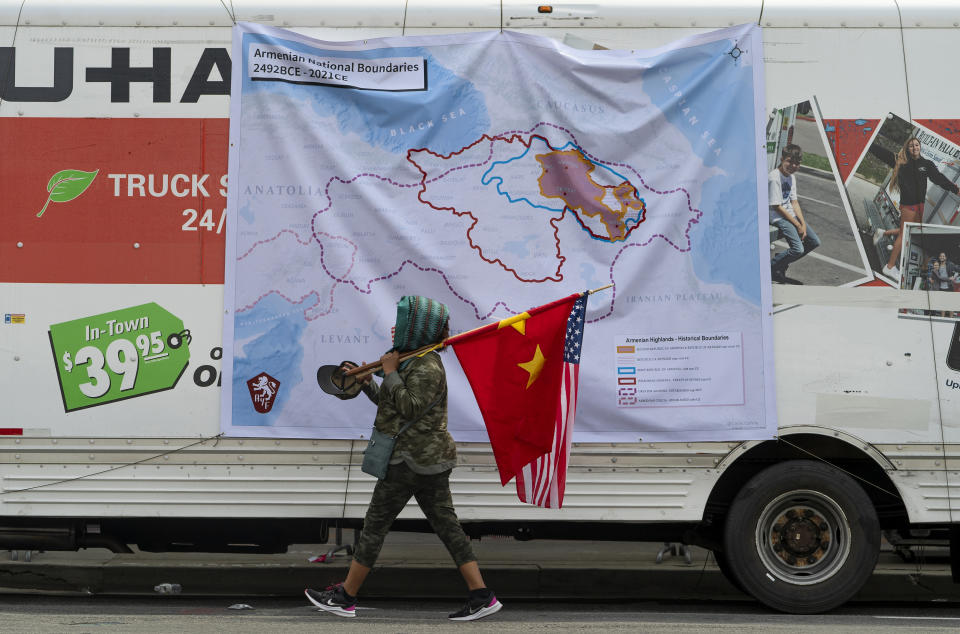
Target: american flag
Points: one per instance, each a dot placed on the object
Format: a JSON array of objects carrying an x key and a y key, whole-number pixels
[{"x": 542, "y": 482}]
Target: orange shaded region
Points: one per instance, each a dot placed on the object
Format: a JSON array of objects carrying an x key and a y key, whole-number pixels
[{"x": 567, "y": 175}]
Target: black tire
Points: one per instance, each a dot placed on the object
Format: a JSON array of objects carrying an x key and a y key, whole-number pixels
[
  {"x": 723, "y": 563},
  {"x": 802, "y": 537}
]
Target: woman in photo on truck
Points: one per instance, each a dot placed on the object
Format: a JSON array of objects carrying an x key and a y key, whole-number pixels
[{"x": 910, "y": 174}]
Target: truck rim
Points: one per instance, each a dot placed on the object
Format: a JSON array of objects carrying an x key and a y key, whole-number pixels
[{"x": 803, "y": 537}]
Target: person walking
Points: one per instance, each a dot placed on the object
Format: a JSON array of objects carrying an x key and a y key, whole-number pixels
[{"x": 424, "y": 455}]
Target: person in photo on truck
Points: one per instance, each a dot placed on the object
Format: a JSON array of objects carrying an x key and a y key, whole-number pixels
[
  {"x": 951, "y": 268},
  {"x": 787, "y": 216},
  {"x": 423, "y": 457},
  {"x": 940, "y": 280},
  {"x": 910, "y": 174}
]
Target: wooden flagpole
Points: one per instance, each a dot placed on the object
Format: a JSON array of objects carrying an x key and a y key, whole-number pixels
[{"x": 369, "y": 368}]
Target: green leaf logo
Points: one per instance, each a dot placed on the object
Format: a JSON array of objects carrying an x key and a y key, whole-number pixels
[{"x": 67, "y": 185}]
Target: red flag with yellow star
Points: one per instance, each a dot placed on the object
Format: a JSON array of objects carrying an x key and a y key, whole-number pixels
[{"x": 516, "y": 368}]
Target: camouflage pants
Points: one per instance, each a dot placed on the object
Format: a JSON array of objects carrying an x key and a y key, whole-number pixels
[{"x": 392, "y": 494}]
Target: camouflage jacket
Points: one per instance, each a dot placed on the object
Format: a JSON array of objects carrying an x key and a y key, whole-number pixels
[{"x": 426, "y": 446}]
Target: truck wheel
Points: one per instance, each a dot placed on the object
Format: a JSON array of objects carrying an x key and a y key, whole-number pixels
[
  {"x": 723, "y": 563},
  {"x": 802, "y": 537}
]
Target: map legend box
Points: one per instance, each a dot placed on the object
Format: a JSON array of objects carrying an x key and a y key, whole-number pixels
[{"x": 680, "y": 370}]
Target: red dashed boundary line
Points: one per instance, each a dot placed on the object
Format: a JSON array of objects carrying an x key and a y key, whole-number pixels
[
  {"x": 269, "y": 240},
  {"x": 509, "y": 137},
  {"x": 276, "y": 292}
]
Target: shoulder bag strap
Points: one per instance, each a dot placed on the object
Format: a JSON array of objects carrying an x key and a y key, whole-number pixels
[{"x": 422, "y": 414}]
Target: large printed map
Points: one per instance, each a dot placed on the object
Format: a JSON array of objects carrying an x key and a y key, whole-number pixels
[{"x": 496, "y": 172}]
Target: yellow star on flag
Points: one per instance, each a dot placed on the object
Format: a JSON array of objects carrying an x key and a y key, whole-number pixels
[
  {"x": 519, "y": 323},
  {"x": 534, "y": 366}
]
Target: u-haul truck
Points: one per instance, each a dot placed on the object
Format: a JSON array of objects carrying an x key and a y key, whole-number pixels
[{"x": 114, "y": 128}]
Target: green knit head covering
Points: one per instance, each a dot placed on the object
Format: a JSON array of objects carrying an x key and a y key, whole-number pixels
[{"x": 420, "y": 321}]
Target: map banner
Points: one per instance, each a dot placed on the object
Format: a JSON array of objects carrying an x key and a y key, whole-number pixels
[{"x": 495, "y": 172}]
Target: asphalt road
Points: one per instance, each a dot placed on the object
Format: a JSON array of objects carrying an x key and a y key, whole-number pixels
[
  {"x": 807, "y": 136},
  {"x": 177, "y": 614}
]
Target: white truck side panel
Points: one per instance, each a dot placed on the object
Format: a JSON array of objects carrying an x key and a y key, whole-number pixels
[
  {"x": 857, "y": 382},
  {"x": 192, "y": 414}
]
